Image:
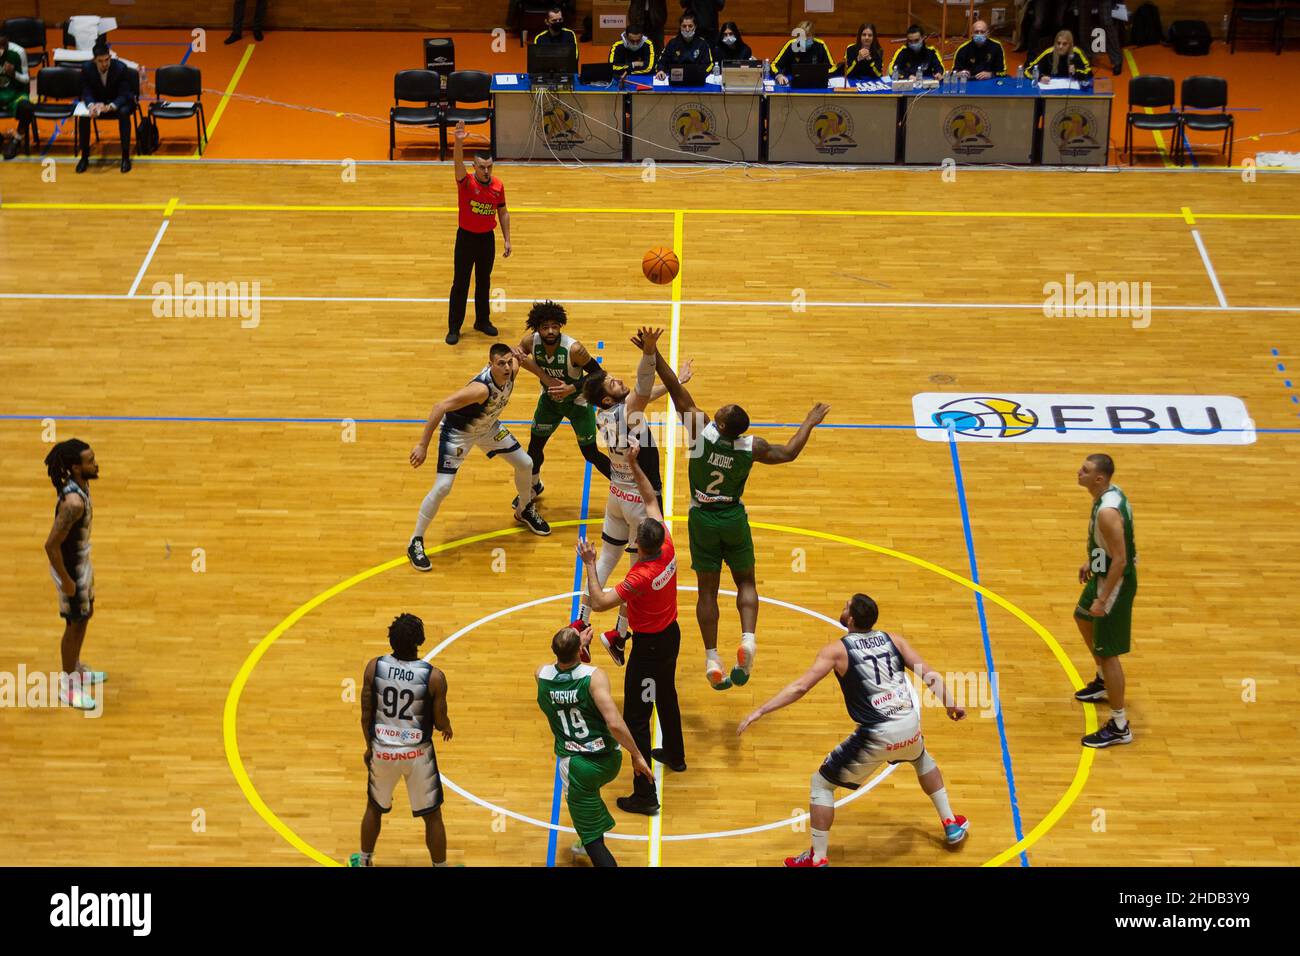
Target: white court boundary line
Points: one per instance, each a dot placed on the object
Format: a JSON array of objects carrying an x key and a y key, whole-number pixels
[
  {"x": 144, "y": 266},
  {"x": 660, "y": 303},
  {"x": 1214, "y": 278},
  {"x": 676, "y": 837}
]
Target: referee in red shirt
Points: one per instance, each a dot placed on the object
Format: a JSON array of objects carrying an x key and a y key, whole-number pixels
[
  {"x": 650, "y": 593},
  {"x": 480, "y": 196}
]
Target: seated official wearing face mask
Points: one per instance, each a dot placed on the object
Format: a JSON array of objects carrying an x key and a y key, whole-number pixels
[
  {"x": 916, "y": 58},
  {"x": 803, "y": 49},
  {"x": 556, "y": 33},
  {"x": 685, "y": 48},
  {"x": 981, "y": 57},
  {"x": 633, "y": 53},
  {"x": 731, "y": 45}
]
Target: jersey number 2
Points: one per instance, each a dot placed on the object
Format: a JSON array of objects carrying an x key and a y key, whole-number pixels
[{"x": 718, "y": 478}]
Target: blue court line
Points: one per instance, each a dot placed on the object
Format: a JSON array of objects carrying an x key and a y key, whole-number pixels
[
  {"x": 285, "y": 420},
  {"x": 988, "y": 648},
  {"x": 553, "y": 835},
  {"x": 1286, "y": 382}
]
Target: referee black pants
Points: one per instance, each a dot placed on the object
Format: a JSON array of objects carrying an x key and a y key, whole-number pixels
[
  {"x": 475, "y": 251},
  {"x": 649, "y": 682}
]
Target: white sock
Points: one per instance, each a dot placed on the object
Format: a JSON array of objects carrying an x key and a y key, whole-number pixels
[
  {"x": 1120, "y": 718},
  {"x": 622, "y": 624},
  {"x": 820, "y": 839},
  {"x": 746, "y": 637},
  {"x": 443, "y": 863},
  {"x": 365, "y": 857},
  {"x": 940, "y": 800},
  {"x": 584, "y": 613},
  {"x": 712, "y": 662}
]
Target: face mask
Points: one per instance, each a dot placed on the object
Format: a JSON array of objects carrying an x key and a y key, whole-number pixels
[
  {"x": 688, "y": 35},
  {"x": 555, "y": 27},
  {"x": 979, "y": 38},
  {"x": 800, "y": 46},
  {"x": 634, "y": 46},
  {"x": 730, "y": 41},
  {"x": 915, "y": 47}
]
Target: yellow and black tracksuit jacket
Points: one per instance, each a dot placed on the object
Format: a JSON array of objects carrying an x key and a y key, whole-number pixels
[
  {"x": 624, "y": 60},
  {"x": 817, "y": 53},
  {"x": 925, "y": 61},
  {"x": 1082, "y": 69},
  {"x": 678, "y": 52},
  {"x": 986, "y": 57},
  {"x": 566, "y": 38},
  {"x": 855, "y": 69}
]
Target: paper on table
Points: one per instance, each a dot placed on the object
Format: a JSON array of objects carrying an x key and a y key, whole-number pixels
[
  {"x": 713, "y": 80},
  {"x": 658, "y": 82},
  {"x": 507, "y": 79},
  {"x": 836, "y": 83},
  {"x": 1061, "y": 83}
]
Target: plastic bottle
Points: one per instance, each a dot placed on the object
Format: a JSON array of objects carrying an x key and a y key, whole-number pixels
[
  {"x": 1020, "y": 77},
  {"x": 961, "y": 83}
]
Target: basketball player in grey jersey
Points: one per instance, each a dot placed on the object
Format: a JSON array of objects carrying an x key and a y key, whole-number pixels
[
  {"x": 870, "y": 667},
  {"x": 72, "y": 467},
  {"x": 403, "y": 701}
]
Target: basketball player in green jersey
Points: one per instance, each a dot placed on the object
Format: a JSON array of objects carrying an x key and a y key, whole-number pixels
[
  {"x": 559, "y": 361},
  {"x": 588, "y": 729},
  {"x": 1105, "y": 611},
  {"x": 720, "y": 460}
]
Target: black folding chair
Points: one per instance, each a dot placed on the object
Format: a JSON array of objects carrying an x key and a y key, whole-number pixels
[
  {"x": 414, "y": 86},
  {"x": 1267, "y": 15},
  {"x": 29, "y": 33},
  {"x": 1150, "y": 92},
  {"x": 53, "y": 85},
  {"x": 1205, "y": 93},
  {"x": 184, "y": 81},
  {"x": 469, "y": 86}
]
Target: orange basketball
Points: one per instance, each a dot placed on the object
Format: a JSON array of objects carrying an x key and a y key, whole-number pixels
[{"x": 660, "y": 265}]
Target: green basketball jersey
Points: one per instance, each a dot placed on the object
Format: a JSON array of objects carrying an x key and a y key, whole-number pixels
[
  {"x": 1098, "y": 559},
  {"x": 565, "y": 698},
  {"x": 560, "y": 365},
  {"x": 719, "y": 468}
]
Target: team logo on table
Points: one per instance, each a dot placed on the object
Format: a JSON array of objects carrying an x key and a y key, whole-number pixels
[
  {"x": 830, "y": 130},
  {"x": 967, "y": 130},
  {"x": 985, "y": 417},
  {"x": 693, "y": 125},
  {"x": 559, "y": 126},
  {"x": 1075, "y": 130}
]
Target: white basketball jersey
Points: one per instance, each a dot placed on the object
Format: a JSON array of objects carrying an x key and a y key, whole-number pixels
[{"x": 403, "y": 711}]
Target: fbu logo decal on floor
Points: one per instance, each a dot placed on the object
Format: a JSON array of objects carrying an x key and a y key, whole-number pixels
[{"x": 1084, "y": 419}]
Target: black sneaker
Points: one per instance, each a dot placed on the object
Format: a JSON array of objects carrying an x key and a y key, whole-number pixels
[
  {"x": 537, "y": 493},
  {"x": 676, "y": 766},
  {"x": 415, "y": 553},
  {"x": 1095, "y": 691},
  {"x": 487, "y": 328},
  {"x": 1109, "y": 736},
  {"x": 638, "y": 804},
  {"x": 452, "y": 337},
  {"x": 615, "y": 644},
  {"x": 82, "y": 164},
  {"x": 536, "y": 523},
  {"x": 233, "y": 38},
  {"x": 11, "y": 148}
]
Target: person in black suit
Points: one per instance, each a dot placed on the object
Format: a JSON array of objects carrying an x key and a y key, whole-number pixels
[
  {"x": 237, "y": 25},
  {"x": 106, "y": 89}
]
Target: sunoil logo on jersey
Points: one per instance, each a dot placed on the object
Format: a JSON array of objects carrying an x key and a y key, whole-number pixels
[{"x": 1083, "y": 419}]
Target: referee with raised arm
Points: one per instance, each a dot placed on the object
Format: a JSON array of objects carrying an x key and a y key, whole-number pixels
[
  {"x": 650, "y": 592},
  {"x": 480, "y": 197}
]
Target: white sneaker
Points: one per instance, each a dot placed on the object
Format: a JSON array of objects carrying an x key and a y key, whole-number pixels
[
  {"x": 713, "y": 674},
  {"x": 89, "y": 676},
  {"x": 744, "y": 663},
  {"x": 79, "y": 699},
  {"x": 579, "y": 852}
]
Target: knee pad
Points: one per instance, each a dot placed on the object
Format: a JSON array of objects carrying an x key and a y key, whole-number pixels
[
  {"x": 923, "y": 764},
  {"x": 823, "y": 793}
]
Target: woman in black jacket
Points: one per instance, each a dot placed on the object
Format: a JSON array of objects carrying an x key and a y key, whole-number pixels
[
  {"x": 731, "y": 45},
  {"x": 863, "y": 60}
]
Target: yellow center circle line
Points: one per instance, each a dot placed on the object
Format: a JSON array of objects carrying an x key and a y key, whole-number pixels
[{"x": 230, "y": 714}]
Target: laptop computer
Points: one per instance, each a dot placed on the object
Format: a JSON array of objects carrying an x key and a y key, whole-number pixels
[
  {"x": 688, "y": 74},
  {"x": 809, "y": 76},
  {"x": 596, "y": 74},
  {"x": 742, "y": 75}
]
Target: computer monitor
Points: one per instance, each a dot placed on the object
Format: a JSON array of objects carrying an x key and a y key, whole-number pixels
[
  {"x": 688, "y": 74},
  {"x": 809, "y": 76},
  {"x": 597, "y": 74},
  {"x": 552, "y": 60}
]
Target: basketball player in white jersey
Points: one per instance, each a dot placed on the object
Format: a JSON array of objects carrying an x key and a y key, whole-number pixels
[
  {"x": 470, "y": 418},
  {"x": 620, "y": 416},
  {"x": 403, "y": 701},
  {"x": 72, "y": 467},
  {"x": 870, "y": 667}
]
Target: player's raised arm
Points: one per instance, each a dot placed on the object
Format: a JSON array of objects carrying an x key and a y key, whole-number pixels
[
  {"x": 471, "y": 393},
  {"x": 645, "y": 370},
  {"x": 693, "y": 418},
  {"x": 438, "y": 695},
  {"x": 458, "y": 152},
  {"x": 643, "y": 482},
  {"x": 604, "y": 702},
  {"x": 826, "y": 660},
  {"x": 770, "y": 454},
  {"x": 930, "y": 678}
]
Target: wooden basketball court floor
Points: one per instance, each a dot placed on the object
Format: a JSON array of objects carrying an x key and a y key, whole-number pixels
[{"x": 230, "y": 731}]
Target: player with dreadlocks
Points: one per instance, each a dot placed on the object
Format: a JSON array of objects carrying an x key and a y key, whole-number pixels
[{"x": 72, "y": 467}]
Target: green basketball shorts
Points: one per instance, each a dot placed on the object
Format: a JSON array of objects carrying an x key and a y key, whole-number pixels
[
  {"x": 583, "y": 777},
  {"x": 549, "y": 414},
  {"x": 1111, "y": 633},
  {"x": 721, "y": 535}
]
